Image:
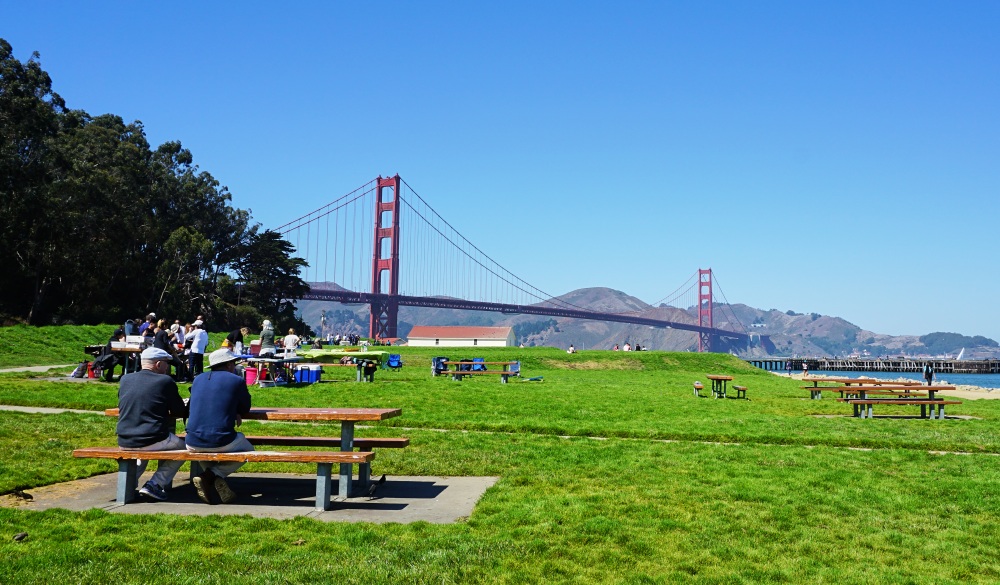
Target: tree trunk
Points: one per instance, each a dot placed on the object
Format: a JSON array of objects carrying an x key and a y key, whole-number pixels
[{"x": 41, "y": 288}]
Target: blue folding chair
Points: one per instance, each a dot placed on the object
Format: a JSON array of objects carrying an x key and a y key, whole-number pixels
[
  {"x": 395, "y": 362},
  {"x": 478, "y": 365},
  {"x": 439, "y": 365}
]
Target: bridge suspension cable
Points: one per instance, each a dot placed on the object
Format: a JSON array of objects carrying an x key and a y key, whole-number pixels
[{"x": 727, "y": 306}]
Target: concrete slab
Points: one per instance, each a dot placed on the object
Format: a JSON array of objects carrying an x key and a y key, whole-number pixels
[{"x": 402, "y": 499}]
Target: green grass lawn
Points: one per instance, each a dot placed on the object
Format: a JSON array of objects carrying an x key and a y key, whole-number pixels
[{"x": 611, "y": 472}]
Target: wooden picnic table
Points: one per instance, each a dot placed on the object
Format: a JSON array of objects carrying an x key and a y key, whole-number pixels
[
  {"x": 466, "y": 368},
  {"x": 719, "y": 384},
  {"x": 857, "y": 381},
  {"x": 346, "y": 416}
]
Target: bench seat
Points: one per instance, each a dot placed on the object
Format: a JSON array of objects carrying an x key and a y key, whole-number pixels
[
  {"x": 364, "y": 469},
  {"x": 504, "y": 374},
  {"x": 697, "y": 389},
  {"x": 741, "y": 391},
  {"x": 324, "y": 461},
  {"x": 863, "y": 408}
]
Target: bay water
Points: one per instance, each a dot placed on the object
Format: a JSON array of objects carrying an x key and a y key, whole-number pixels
[{"x": 991, "y": 381}]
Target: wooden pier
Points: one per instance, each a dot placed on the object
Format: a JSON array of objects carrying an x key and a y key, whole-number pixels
[{"x": 941, "y": 366}]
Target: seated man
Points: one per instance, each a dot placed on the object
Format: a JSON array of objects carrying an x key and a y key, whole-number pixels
[
  {"x": 219, "y": 400},
  {"x": 148, "y": 406}
]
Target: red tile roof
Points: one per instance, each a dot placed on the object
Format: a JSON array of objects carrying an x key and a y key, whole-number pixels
[{"x": 456, "y": 332}]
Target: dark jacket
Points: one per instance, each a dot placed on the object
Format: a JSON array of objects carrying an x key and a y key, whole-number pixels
[
  {"x": 148, "y": 406},
  {"x": 217, "y": 397}
]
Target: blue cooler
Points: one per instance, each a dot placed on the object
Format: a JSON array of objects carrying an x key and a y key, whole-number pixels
[{"x": 309, "y": 374}]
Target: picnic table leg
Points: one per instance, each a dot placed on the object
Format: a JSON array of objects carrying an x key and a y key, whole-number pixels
[
  {"x": 127, "y": 481},
  {"x": 870, "y": 415},
  {"x": 324, "y": 485},
  {"x": 359, "y": 372},
  {"x": 940, "y": 412},
  {"x": 346, "y": 469},
  {"x": 923, "y": 411}
]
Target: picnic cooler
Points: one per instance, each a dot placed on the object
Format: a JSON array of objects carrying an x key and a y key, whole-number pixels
[
  {"x": 250, "y": 374},
  {"x": 309, "y": 374}
]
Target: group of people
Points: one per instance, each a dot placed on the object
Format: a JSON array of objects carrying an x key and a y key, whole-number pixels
[
  {"x": 627, "y": 347},
  {"x": 149, "y": 404},
  {"x": 186, "y": 345}
]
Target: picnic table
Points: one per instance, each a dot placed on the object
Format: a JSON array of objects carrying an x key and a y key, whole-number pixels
[
  {"x": 347, "y": 417},
  {"x": 475, "y": 368},
  {"x": 719, "y": 384},
  {"x": 898, "y": 394},
  {"x": 816, "y": 391},
  {"x": 271, "y": 371}
]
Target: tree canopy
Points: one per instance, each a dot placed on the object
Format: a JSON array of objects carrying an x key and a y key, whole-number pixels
[{"x": 97, "y": 226}]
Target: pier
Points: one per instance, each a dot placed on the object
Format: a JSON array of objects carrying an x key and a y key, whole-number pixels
[{"x": 899, "y": 364}]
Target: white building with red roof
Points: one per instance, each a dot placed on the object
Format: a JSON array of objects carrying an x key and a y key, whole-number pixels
[{"x": 458, "y": 336}]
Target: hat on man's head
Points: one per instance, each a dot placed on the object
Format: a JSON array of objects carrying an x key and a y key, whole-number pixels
[
  {"x": 198, "y": 323},
  {"x": 221, "y": 356},
  {"x": 174, "y": 328},
  {"x": 155, "y": 353}
]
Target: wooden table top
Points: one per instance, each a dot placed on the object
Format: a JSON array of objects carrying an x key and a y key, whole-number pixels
[
  {"x": 300, "y": 414},
  {"x": 718, "y": 377}
]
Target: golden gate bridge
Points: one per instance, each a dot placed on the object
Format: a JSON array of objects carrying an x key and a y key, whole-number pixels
[{"x": 356, "y": 245}]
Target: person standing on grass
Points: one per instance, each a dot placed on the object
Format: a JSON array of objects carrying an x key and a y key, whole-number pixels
[
  {"x": 928, "y": 373},
  {"x": 199, "y": 342},
  {"x": 219, "y": 401},
  {"x": 267, "y": 347},
  {"x": 148, "y": 406}
]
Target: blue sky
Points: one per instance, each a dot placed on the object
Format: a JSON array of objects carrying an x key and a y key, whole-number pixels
[{"x": 838, "y": 158}]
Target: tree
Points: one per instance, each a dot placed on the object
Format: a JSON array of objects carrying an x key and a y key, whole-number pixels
[
  {"x": 29, "y": 117},
  {"x": 271, "y": 278}
]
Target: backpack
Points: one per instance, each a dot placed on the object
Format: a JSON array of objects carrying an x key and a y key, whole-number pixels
[{"x": 80, "y": 371}]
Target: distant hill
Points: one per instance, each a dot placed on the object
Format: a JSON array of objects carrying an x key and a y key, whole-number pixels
[{"x": 790, "y": 333}]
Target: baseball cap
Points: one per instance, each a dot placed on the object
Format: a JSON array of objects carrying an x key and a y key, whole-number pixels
[{"x": 155, "y": 353}]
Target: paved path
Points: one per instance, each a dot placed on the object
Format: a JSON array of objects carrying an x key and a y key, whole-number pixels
[
  {"x": 34, "y": 368},
  {"x": 44, "y": 410}
]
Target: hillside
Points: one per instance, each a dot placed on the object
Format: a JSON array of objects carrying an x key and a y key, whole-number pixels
[{"x": 791, "y": 333}]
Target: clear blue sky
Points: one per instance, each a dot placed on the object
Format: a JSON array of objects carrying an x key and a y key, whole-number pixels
[{"x": 832, "y": 157}]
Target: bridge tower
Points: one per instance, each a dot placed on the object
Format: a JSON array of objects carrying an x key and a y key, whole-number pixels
[
  {"x": 385, "y": 260},
  {"x": 704, "y": 309}
]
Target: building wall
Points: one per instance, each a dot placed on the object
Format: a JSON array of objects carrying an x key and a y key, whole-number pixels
[{"x": 445, "y": 342}]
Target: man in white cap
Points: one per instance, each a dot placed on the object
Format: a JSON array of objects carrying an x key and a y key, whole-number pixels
[
  {"x": 148, "y": 406},
  {"x": 199, "y": 342},
  {"x": 219, "y": 400}
]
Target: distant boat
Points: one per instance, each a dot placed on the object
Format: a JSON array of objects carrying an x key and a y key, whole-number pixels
[{"x": 960, "y": 354}]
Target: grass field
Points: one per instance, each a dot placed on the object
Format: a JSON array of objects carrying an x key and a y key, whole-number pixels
[{"x": 611, "y": 472}]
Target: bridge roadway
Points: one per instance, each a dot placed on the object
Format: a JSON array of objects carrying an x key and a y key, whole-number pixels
[{"x": 351, "y": 297}]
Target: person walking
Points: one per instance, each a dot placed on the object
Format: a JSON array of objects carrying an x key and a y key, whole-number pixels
[{"x": 928, "y": 373}]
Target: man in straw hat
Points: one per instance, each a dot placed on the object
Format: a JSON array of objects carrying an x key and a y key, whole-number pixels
[
  {"x": 148, "y": 406},
  {"x": 219, "y": 400}
]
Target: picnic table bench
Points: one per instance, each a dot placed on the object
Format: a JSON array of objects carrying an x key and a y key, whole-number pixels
[
  {"x": 324, "y": 460},
  {"x": 347, "y": 418},
  {"x": 697, "y": 389},
  {"x": 863, "y": 407}
]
